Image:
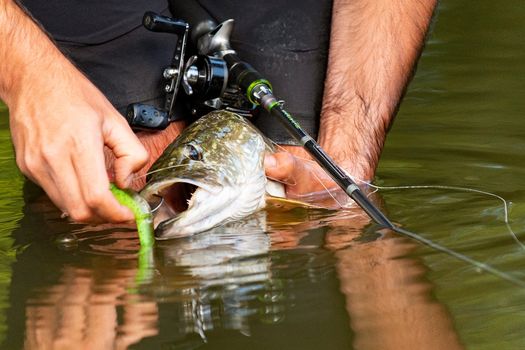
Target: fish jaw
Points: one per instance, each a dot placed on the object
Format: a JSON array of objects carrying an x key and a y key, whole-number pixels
[
  {"x": 207, "y": 209},
  {"x": 223, "y": 155}
]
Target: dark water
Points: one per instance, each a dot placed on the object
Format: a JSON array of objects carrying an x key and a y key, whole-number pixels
[{"x": 298, "y": 279}]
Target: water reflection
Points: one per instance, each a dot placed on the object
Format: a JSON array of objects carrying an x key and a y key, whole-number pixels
[
  {"x": 317, "y": 279},
  {"x": 85, "y": 310},
  {"x": 387, "y": 297},
  {"x": 112, "y": 302}
]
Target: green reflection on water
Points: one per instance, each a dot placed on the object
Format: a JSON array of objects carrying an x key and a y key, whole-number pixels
[{"x": 11, "y": 203}]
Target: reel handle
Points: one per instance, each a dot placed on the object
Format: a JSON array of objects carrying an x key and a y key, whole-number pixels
[
  {"x": 146, "y": 117},
  {"x": 163, "y": 24}
]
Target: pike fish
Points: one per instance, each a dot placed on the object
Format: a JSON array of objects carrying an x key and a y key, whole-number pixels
[{"x": 221, "y": 155}]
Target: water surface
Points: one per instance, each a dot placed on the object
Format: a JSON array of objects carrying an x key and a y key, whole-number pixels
[{"x": 311, "y": 279}]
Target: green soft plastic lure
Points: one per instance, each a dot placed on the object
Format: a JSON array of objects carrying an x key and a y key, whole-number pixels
[{"x": 142, "y": 211}]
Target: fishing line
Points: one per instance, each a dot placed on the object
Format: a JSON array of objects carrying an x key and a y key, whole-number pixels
[
  {"x": 457, "y": 188},
  {"x": 417, "y": 237},
  {"x": 326, "y": 190},
  {"x": 506, "y": 218},
  {"x": 480, "y": 265}
]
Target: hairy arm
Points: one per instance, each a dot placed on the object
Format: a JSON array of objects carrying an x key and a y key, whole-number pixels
[
  {"x": 60, "y": 123},
  {"x": 374, "y": 46}
]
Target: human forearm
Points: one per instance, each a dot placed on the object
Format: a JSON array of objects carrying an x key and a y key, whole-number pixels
[
  {"x": 374, "y": 46},
  {"x": 25, "y": 50}
]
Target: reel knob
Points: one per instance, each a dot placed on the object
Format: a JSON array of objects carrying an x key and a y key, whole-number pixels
[
  {"x": 146, "y": 117},
  {"x": 205, "y": 77}
]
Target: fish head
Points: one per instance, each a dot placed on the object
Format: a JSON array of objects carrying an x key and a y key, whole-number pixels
[{"x": 221, "y": 155}]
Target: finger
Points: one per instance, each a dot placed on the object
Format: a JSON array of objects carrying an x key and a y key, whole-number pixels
[
  {"x": 90, "y": 170},
  {"x": 130, "y": 154},
  {"x": 73, "y": 181},
  {"x": 280, "y": 166},
  {"x": 63, "y": 189}
]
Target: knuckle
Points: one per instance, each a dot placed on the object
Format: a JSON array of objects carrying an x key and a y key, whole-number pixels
[
  {"x": 80, "y": 214},
  {"x": 143, "y": 155},
  {"x": 49, "y": 154},
  {"x": 95, "y": 197},
  {"x": 30, "y": 163},
  {"x": 21, "y": 163}
]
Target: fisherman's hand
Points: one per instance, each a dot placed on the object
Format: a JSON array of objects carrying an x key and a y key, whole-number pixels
[
  {"x": 305, "y": 179},
  {"x": 155, "y": 143},
  {"x": 301, "y": 175},
  {"x": 60, "y": 123}
]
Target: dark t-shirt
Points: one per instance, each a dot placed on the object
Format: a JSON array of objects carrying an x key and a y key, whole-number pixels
[
  {"x": 105, "y": 39},
  {"x": 90, "y": 22},
  {"x": 286, "y": 40}
]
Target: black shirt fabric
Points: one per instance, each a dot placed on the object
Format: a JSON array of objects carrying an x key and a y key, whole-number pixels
[
  {"x": 90, "y": 22},
  {"x": 285, "y": 40},
  {"x": 106, "y": 40}
]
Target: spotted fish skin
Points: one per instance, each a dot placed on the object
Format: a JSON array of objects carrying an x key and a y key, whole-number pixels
[{"x": 222, "y": 154}]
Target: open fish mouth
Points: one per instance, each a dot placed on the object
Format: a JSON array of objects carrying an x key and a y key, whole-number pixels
[
  {"x": 173, "y": 193},
  {"x": 203, "y": 207},
  {"x": 173, "y": 198},
  {"x": 221, "y": 156}
]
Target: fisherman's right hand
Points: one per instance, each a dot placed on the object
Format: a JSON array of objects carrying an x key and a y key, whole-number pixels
[{"x": 60, "y": 123}]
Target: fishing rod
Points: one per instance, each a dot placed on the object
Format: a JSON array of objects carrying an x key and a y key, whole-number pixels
[{"x": 217, "y": 78}]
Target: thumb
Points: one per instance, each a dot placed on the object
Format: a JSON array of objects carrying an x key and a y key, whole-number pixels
[
  {"x": 130, "y": 154},
  {"x": 280, "y": 166}
]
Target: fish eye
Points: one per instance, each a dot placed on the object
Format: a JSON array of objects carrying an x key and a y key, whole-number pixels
[{"x": 193, "y": 152}]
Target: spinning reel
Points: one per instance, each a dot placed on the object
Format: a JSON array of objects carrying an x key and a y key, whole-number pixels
[{"x": 209, "y": 79}]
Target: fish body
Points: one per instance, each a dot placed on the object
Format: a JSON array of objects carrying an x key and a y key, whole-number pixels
[{"x": 222, "y": 155}]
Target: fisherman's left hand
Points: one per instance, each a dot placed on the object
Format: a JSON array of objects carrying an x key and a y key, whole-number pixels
[
  {"x": 301, "y": 175},
  {"x": 306, "y": 181}
]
